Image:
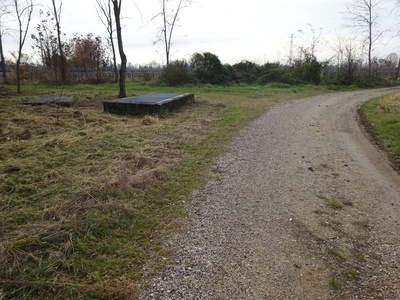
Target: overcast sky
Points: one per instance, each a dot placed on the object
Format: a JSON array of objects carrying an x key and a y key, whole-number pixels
[{"x": 255, "y": 30}]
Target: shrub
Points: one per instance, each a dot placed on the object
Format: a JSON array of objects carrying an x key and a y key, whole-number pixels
[
  {"x": 275, "y": 75},
  {"x": 207, "y": 68},
  {"x": 249, "y": 71},
  {"x": 177, "y": 72}
]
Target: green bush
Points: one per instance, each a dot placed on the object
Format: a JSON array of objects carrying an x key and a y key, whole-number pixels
[
  {"x": 276, "y": 75},
  {"x": 307, "y": 69},
  {"x": 176, "y": 73},
  {"x": 207, "y": 68},
  {"x": 370, "y": 81},
  {"x": 248, "y": 71}
]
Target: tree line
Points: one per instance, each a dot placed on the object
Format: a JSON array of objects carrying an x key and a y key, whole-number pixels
[
  {"x": 93, "y": 59},
  {"x": 60, "y": 59}
]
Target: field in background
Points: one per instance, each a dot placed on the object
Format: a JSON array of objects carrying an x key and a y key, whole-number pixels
[{"x": 87, "y": 198}]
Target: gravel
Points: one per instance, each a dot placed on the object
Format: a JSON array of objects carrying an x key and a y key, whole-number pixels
[{"x": 264, "y": 227}]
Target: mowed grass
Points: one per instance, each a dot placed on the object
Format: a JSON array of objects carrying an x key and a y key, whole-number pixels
[
  {"x": 382, "y": 116},
  {"x": 87, "y": 198}
]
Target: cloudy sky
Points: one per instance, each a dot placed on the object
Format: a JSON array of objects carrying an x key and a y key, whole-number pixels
[{"x": 256, "y": 30}]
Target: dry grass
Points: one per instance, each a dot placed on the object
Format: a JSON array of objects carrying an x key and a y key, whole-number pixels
[
  {"x": 66, "y": 176},
  {"x": 391, "y": 103},
  {"x": 382, "y": 118},
  {"x": 150, "y": 120},
  {"x": 86, "y": 198}
]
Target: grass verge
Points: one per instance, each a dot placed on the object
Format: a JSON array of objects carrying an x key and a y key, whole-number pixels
[
  {"x": 382, "y": 117},
  {"x": 87, "y": 198}
]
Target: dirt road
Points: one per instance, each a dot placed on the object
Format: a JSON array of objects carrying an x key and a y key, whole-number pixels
[{"x": 302, "y": 207}]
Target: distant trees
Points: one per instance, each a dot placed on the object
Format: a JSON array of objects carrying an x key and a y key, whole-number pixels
[
  {"x": 202, "y": 67},
  {"x": 364, "y": 16},
  {"x": 177, "y": 72},
  {"x": 47, "y": 44},
  {"x": 207, "y": 67},
  {"x": 346, "y": 59},
  {"x": 84, "y": 57},
  {"x": 88, "y": 54},
  {"x": 307, "y": 68},
  {"x": 305, "y": 65},
  {"x": 248, "y": 71}
]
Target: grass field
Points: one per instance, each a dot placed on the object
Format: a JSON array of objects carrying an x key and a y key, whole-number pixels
[
  {"x": 382, "y": 117},
  {"x": 87, "y": 198}
]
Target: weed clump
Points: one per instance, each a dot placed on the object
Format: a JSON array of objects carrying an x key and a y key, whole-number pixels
[
  {"x": 335, "y": 204},
  {"x": 150, "y": 120},
  {"x": 334, "y": 283},
  {"x": 336, "y": 252}
]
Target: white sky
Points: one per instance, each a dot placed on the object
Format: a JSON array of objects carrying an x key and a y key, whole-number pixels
[{"x": 255, "y": 30}]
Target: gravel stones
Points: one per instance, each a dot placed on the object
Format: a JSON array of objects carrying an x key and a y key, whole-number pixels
[{"x": 254, "y": 231}]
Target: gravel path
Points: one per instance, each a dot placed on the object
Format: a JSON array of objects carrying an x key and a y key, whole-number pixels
[{"x": 266, "y": 226}]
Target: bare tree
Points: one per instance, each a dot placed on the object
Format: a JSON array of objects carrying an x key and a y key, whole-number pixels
[
  {"x": 105, "y": 13},
  {"x": 311, "y": 43},
  {"x": 23, "y": 11},
  {"x": 364, "y": 16},
  {"x": 47, "y": 44},
  {"x": 57, "y": 18},
  {"x": 170, "y": 10},
  {"x": 397, "y": 11},
  {"x": 122, "y": 71},
  {"x": 347, "y": 59},
  {"x": 4, "y": 12}
]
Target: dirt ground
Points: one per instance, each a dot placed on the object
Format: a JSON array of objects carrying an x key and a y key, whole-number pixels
[{"x": 303, "y": 206}]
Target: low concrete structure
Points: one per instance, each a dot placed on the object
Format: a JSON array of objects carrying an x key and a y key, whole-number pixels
[
  {"x": 155, "y": 103},
  {"x": 59, "y": 100}
]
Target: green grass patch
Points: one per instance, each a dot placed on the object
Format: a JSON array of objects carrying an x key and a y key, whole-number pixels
[
  {"x": 334, "y": 283},
  {"x": 359, "y": 256},
  {"x": 335, "y": 204},
  {"x": 87, "y": 198},
  {"x": 333, "y": 224},
  {"x": 336, "y": 253},
  {"x": 361, "y": 223},
  {"x": 382, "y": 117},
  {"x": 352, "y": 273}
]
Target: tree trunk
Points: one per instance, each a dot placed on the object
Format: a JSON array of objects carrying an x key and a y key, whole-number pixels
[
  {"x": 165, "y": 23},
  {"x": 370, "y": 40},
  {"x": 397, "y": 71},
  {"x": 122, "y": 71},
  {"x": 114, "y": 59},
  {"x": 3, "y": 63},
  {"x": 18, "y": 71},
  {"x": 60, "y": 48},
  {"x": 22, "y": 14}
]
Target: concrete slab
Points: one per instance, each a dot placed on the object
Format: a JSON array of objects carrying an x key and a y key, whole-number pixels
[
  {"x": 59, "y": 100},
  {"x": 154, "y": 103}
]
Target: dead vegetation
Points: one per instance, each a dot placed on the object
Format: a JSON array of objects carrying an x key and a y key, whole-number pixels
[
  {"x": 86, "y": 198},
  {"x": 391, "y": 103},
  {"x": 72, "y": 179}
]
